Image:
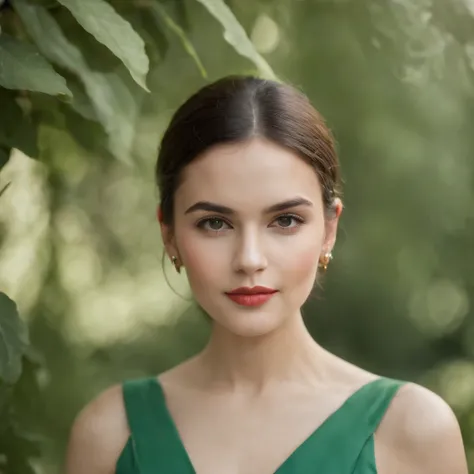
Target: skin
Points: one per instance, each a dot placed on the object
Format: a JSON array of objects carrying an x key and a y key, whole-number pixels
[{"x": 261, "y": 369}]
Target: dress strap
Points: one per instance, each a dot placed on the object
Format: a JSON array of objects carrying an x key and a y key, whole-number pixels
[
  {"x": 365, "y": 411},
  {"x": 375, "y": 399},
  {"x": 337, "y": 446},
  {"x": 153, "y": 444}
]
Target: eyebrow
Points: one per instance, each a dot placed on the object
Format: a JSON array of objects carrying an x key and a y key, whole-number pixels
[{"x": 281, "y": 206}]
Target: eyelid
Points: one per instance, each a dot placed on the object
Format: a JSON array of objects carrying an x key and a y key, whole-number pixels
[
  {"x": 290, "y": 214},
  {"x": 210, "y": 218},
  {"x": 296, "y": 217},
  {"x": 200, "y": 224},
  {"x": 203, "y": 220}
]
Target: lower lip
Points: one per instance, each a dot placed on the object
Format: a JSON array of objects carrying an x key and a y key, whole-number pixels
[{"x": 256, "y": 299}]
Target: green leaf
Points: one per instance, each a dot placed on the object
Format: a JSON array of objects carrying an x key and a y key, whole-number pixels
[
  {"x": 160, "y": 14},
  {"x": 89, "y": 134},
  {"x": 23, "y": 67},
  {"x": 236, "y": 36},
  {"x": 118, "y": 108},
  {"x": 156, "y": 43},
  {"x": 13, "y": 340},
  {"x": 113, "y": 95},
  {"x": 109, "y": 28},
  {"x": 49, "y": 38},
  {"x": 16, "y": 129},
  {"x": 154, "y": 37},
  {"x": 81, "y": 103}
]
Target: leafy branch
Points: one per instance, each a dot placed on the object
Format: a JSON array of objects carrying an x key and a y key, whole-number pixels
[{"x": 42, "y": 52}]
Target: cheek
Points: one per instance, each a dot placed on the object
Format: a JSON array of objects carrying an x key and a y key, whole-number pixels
[
  {"x": 202, "y": 260},
  {"x": 299, "y": 262},
  {"x": 302, "y": 265}
]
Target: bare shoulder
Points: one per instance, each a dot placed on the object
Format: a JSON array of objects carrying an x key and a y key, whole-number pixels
[
  {"x": 98, "y": 435},
  {"x": 419, "y": 435},
  {"x": 185, "y": 374}
]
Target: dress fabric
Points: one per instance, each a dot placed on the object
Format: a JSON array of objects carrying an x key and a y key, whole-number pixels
[{"x": 343, "y": 444}]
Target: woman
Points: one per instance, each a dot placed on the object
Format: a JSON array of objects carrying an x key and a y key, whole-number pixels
[{"x": 249, "y": 183}]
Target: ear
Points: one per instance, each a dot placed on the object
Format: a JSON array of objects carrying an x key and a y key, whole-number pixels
[
  {"x": 331, "y": 224},
  {"x": 167, "y": 234}
]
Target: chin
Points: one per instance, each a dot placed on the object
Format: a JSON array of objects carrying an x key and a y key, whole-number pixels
[{"x": 250, "y": 324}]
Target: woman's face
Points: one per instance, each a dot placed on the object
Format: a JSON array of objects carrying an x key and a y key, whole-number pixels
[{"x": 227, "y": 235}]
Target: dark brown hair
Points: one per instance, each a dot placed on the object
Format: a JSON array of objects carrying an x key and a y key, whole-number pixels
[{"x": 235, "y": 109}]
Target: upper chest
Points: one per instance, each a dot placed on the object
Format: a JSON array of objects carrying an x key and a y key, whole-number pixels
[{"x": 237, "y": 435}]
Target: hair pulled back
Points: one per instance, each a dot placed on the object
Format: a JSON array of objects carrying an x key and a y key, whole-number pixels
[{"x": 235, "y": 109}]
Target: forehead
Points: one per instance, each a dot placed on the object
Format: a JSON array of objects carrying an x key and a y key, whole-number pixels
[{"x": 256, "y": 173}]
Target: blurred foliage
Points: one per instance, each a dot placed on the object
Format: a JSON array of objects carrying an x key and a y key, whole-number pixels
[
  {"x": 92, "y": 58},
  {"x": 80, "y": 249}
]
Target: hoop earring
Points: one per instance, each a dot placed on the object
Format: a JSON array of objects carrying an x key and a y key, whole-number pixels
[
  {"x": 324, "y": 261},
  {"x": 174, "y": 261}
]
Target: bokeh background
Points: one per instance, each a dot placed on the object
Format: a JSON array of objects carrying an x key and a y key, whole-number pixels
[{"x": 81, "y": 251}]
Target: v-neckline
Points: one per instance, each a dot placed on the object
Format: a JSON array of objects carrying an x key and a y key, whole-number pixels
[{"x": 296, "y": 451}]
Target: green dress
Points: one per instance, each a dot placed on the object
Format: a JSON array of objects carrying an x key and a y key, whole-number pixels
[{"x": 343, "y": 444}]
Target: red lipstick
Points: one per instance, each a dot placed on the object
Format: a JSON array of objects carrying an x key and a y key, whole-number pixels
[{"x": 255, "y": 296}]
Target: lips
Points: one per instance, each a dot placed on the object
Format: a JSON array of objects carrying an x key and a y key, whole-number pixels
[
  {"x": 256, "y": 290},
  {"x": 256, "y": 296}
]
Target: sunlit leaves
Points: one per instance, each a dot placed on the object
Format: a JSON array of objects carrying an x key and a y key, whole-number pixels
[
  {"x": 107, "y": 96},
  {"x": 22, "y": 67},
  {"x": 13, "y": 340},
  {"x": 108, "y": 27},
  {"x": 115, "y": 102},
  {"x": 160, "y": 13},
  {"x": 236, "y": 36}
]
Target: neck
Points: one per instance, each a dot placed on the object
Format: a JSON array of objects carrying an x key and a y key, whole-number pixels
[{"x": 255, "y": 363}]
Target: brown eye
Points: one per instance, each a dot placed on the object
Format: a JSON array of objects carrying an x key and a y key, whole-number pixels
[
  {"x": 215, "y": 224},
  {"x": 289, "y": 222},
  {"x": 212, "y": 224},
  {"x": 285, "y": 221}
]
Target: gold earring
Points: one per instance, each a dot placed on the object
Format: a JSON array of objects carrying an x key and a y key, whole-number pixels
[
  {"x": 174, "y": 261},
  {"x": 324, "y": 261}
]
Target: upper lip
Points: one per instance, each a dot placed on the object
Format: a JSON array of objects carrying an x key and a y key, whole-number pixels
[{"x": 245, "y": 290}]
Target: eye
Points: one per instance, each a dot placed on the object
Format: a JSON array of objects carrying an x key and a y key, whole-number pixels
[
  {"x": 285, "y": 221},
  {"x": 213, "y": 224}
]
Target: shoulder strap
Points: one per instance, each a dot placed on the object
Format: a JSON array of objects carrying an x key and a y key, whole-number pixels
[
  {"x": 154, "y": 444},
  {"x": 348, "y": 432},
  {"x": 369, "y": 406},
  {"x": 375, "y": 399}
]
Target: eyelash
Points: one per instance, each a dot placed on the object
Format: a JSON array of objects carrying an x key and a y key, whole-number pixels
[{"x": 300, "y": 221}]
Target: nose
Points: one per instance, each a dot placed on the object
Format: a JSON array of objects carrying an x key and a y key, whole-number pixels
[{"x": 249, "y": 256}]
